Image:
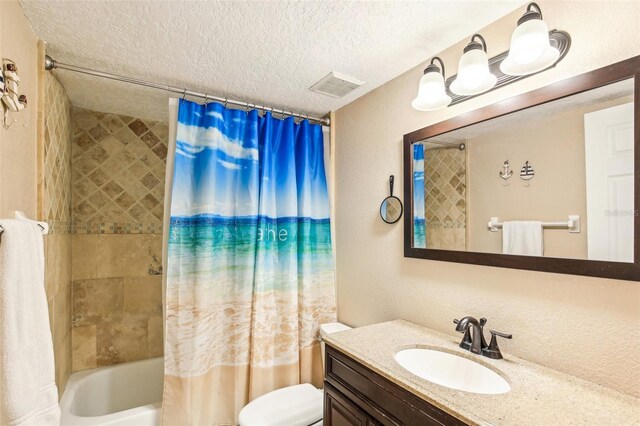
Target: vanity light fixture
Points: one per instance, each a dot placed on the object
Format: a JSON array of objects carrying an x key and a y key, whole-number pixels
[
  {"x": 530, "y": 49},
  {"x": 533, "y": 49},
  {"x": 432, "y": 94},
  {"x": 474, "y": 76}
]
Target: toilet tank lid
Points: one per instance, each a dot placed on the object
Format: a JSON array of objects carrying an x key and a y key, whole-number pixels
[
  {"x": 293, "y": 405},
  {"x": 332, "y": 327}
]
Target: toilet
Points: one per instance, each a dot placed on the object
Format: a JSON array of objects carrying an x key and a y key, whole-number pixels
[{"x": 297, "y": 405}]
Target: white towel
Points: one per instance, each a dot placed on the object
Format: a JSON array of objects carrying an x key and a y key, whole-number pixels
[
  {"x": 522, "y": 237},
  {"x": 28, "y": 393}
]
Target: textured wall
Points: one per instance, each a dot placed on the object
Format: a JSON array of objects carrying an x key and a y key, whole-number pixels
[
  {"x": 118, "y": 188},
  {"x": 118, "y": 173},
  {"x": 56, "y": 210},
  {"x": 588, "y": 327}
]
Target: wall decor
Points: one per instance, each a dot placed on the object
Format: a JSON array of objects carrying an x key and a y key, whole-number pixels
[
  {"x": 527, "y": 173},
  {"x": 505, "y": 173},
  {"x": 12, "y": 100}
]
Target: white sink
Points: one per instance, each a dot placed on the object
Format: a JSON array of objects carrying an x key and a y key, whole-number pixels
[{"x": 452, "y": 371}]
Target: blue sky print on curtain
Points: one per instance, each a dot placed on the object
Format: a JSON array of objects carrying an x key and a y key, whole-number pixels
[
  {"x": 217, "y": 152},
  {"x": 419, "y": 221},
  {"x": 250, "y": 265}
]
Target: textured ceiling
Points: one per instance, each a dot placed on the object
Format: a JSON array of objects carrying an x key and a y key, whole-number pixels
[{"x": 256, "y": 51}]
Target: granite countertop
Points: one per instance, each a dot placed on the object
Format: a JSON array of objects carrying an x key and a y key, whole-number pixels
[{"x": 538, "y": 396}]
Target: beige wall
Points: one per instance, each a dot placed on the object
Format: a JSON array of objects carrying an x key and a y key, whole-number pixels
[
  {"x": 588, "y": 327},
  {"x": 29, "y": 176},
  {"x": 18, "y": 171}
]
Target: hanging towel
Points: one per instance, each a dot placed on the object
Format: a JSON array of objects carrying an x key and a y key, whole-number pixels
[
  {"x": 522, "y": 237},
  {"x": 28, "y": 393}
]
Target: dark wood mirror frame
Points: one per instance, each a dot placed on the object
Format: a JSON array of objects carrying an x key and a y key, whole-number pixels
[{"x": 623, "y": 70}]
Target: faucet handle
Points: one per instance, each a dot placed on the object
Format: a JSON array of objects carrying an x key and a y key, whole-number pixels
[
  {"x": 497, "y": 333},
  {"x": 493, "y": 351}
]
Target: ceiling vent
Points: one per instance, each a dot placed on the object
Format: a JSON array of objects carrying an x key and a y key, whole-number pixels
[{"x": 336, "y": 85}]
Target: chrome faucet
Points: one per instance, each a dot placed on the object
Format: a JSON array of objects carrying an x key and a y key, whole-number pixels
[{"x": 474, "y": 340}]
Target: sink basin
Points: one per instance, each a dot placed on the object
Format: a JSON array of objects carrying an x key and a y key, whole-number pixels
[{"x": 452, "y": 371}]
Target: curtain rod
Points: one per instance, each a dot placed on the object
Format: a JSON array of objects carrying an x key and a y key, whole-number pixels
[{"x": 50, "y": 64}]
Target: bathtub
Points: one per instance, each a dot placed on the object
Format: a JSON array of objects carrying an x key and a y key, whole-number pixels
[{"x": 125, "y": 394}]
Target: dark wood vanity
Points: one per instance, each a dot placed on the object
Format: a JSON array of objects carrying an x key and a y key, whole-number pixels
[{"x": 356, "y": 395}]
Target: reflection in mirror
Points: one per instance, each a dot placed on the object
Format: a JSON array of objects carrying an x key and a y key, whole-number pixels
[
  {"x": 567, "y": 190},
  {"x": 391, "y": 209}
]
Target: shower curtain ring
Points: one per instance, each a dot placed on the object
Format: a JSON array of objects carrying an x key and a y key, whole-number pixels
[
  {"x": 206, "y": 99},
  {"x": 225, "y": 103},
  {"x": 184, "y": 94}
]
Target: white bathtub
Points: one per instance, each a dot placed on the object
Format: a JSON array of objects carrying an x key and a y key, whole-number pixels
[{"x": 125, "y": 394}]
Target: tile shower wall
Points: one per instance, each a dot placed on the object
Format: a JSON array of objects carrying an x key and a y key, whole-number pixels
[
  {"x": 118, "y": 173},
  {"x": 117, "y": 206},
  {"x": 55, "y": 208},
  {"x": 445, "y": 198}
]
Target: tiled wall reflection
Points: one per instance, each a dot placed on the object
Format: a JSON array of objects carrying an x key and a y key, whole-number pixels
[{"x": 445, "y": 198}]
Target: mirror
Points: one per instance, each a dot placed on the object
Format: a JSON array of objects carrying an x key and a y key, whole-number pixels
[
  {"x": 391, "y": 207},
  {"x": 540, "y": 181}
]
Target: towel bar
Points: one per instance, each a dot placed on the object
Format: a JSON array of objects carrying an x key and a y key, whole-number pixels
[
  {"x": 21, "y": 216},
  {"x": 572, "y": 224}
]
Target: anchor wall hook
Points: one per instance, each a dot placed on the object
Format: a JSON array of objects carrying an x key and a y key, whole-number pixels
[{"x": 505, "y": 173}]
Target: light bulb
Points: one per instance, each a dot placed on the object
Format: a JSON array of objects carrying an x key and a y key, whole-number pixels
[
  {"x": 530, "y": 49},
  {"x": 473, "y": 76},
  {"x": 431, "y": 91}
]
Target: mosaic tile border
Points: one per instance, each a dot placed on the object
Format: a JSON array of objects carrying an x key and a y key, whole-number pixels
[
  {"x": 446, "y": 224},
  {"x": 59, "y": 227},
  {"x": 115, "y": 228}
]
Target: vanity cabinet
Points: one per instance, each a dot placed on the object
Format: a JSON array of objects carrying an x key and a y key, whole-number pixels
[{"x": 356, "y": 395}]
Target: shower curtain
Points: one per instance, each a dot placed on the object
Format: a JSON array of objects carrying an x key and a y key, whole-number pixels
[
  {"x": 419, "y": 221},
  {"x": 249, "y": 267}
]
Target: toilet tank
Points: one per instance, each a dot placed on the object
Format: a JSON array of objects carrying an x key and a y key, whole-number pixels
[{"x": 328, "y": 328}]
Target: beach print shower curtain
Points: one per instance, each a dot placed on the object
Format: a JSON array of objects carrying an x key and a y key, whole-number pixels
[
  {"x": 249, "y": 268},
  {"x": 419, "y": 221}
]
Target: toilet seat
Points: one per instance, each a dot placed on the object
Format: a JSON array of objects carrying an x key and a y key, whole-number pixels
[{"x": 297, "y": 405}]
